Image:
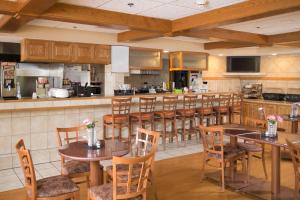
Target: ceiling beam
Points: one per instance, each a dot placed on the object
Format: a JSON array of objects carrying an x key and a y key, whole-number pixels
[
  {"x": 229, "y": 35},
  {"x": 226, "y": 45},
  {"x": 92, "y": 16},
  {"x": 12, "y": 23},
  {"x": 292, "y": 44},
  {"x": 285, "y": 37},
  {"x": 133, "y": 36},
  {"x": 8, "y": 7},
  {"x": 244, "y": 11}
]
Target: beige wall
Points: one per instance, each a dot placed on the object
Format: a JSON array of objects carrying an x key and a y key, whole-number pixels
[{"x": 281, "y": 74}]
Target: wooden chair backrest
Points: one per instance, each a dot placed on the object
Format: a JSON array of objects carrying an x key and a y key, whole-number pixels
[
  {"x": 170, "y": 103},
  {"x": 255, "y": 123},
  {"x": 64, "y": 135},
  {"x": 294, "y": 150},
  {"x": 132, "y": 182},
  {"x": 224, "y": 100},
  {"x": 28, "y": 169},
  {"x": 207, "y": 101},
  {"x": 147, "y": 104},
  {"x": 189, "y": 102},
  {"x": 212, "y": 138},
  {"x": 121, "y": 106},
  {"x": 145, "y": 141},
  {"x": 236, "y": 99}
]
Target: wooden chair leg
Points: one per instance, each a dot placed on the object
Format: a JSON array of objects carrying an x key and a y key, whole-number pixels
[
  {"x": 76, "y": 195},
  {"x": 249, "y": 155},
  {"x": 104, "y": 130},
  {"x": 263, "y": 160},
  {"x": 296, "y": 187},
  {"x": 164, "y": 133},
  {"x": 203, "y": 168},
  {"x": 223, "y": 176}
]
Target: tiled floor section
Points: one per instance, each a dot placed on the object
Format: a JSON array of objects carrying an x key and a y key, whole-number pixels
[{"x": 13, "y": 178}]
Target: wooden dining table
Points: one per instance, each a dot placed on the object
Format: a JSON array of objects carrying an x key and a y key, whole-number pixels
[
  {"x": 251, "y": 134},
  {"x": 81, "y": 152}
]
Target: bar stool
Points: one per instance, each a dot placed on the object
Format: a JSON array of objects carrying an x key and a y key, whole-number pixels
[
  {"x": 235, "y": 107},
  {"x": 188, "y": 114},
  {"x": 146, "y": 113},
  {"x": 168, "y": 114},
  {"x": 222, "y": 108},
  {"x": 206, "y": 110},
  {"x": 118, "y": 119}
]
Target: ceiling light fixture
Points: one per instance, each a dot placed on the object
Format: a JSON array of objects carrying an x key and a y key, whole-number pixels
[
  {"x": 220, "y": 54},
  {"x": 274, "y": 54},
  {"x": 166, "y": 51},
  {"x": 202, "y": 2},
  {"x": 130, "y": 4}
]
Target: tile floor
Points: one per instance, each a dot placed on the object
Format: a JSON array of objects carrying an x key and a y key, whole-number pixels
[{"x": 13, "y": 178}]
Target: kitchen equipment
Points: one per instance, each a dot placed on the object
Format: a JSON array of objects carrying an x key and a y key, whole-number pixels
[
  {"x": 252, "y": 91},
  {"x": 58, "y": 93},
  {"x": 123, "y": 92},
  {"x": 294, "y": 110},
  {"x": 18, "y": 91},
  {"x": 292, "y": 97},
  {"x": 8, "y": 80},
  {"x": 180, "y": 78},
  {"x": 42, "y": 87}
]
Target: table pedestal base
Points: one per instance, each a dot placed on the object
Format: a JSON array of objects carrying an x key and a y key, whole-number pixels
[{"x": 96, "y": 173}]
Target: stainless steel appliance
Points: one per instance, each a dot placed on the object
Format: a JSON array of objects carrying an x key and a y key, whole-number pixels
[
  {"x": 8, "y": 80},
  {"x": 252, "y": 91}
]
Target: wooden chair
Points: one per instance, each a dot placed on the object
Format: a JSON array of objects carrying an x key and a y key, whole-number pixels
[
  {"x": 294, "y": 150},
  {"x": 72, "y": 168},
  {"x": 188, "y": 113},
  {"x": 145, "y": 142},
  {"x": 168, "y": 114},
  {"x": 222, "y": 108},
  {"x": 236, "y": 107},
  {"x": 146, "y": 113},
  {"x": 127, "y": 184},
  {"x": 119, "y": 118},
  {"x": 214, "y": 149},
  {"x": 254, "y": 149},
  {"x": 206, "y": 110},
  {"x": 51, "y": 188}
]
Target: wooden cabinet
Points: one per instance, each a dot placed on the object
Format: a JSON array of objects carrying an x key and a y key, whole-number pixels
[
  {"x": 62, "y": 52},
  {"x": 190, "y": 61},
  {"x": 35, "y": 50},
  {"x": 102, "y": 54},
  {"x": 145, "y": 59}
]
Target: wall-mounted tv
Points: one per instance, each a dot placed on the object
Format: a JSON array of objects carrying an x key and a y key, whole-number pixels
[{"x": 245, "y": 64}]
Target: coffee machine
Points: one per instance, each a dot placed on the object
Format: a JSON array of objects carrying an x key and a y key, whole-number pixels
[{"x": 8, "y": 80}]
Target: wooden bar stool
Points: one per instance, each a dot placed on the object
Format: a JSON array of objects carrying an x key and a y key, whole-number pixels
[
  {"x": 72, "y": 168},
  {"x": 206, "y": 111},
  {"x": 118, "y": 119},
  {"x": 146, "y": 113},
  {"x": 188, "y": 114},
  {"x": 51, "y": 188},
  {"x": 168, "y": 114},
  {"x": 222, "y": 108},
  {"x": 236, "y": 107}
]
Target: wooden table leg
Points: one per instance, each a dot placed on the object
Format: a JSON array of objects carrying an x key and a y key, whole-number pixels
[
  {"x": 294, "y": 127},
  {"x": 275, "y": 173},
  {"x": 96, "y": 173}
]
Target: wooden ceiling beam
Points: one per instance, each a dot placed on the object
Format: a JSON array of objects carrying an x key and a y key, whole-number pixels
[
  {"x": 292, "y": 44},
  {"x": 285, "y": 37},
  {"x": 244, "y": 11},
  {"x": 12, "y": 23},
  {"x": 92, "y": 16},
  {"x": 8, "y": 7},
  {"x": 229, "y": 35},
  {"x": 133, "y": 36},
  {"x": 226, "y": 45}
]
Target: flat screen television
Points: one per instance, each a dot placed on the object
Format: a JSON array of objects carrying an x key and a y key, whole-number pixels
[{"x": 244, "y": 64}]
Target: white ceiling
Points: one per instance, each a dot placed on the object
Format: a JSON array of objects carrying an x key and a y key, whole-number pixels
[
  {"x": 166, "y": 9},
  {"x": 284, "y": 23}
]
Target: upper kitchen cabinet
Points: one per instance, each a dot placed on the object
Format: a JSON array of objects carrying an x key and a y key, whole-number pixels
[
  {"x": 145, "y": 59},
  {"x": 102, "y": 54},
  {"x": 61, "y": 52},
  {"x": 35, "y": 50},
  {"x": 189, "y": 61},
  {"x": 83, "y": 53}
]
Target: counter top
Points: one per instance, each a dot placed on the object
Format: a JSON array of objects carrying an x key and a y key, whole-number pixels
[{"x": 267, "y": 101}]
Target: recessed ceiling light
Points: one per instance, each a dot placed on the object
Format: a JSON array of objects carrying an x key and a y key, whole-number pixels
[
  {"x": 166, "y": 51},
  {"x": 220, "y": 54},
  {"x": 201, "y": 2},
  {"x": 75, "y": 27},
  {"x": 258, "y": 27},
  {"x": 274, "y": 54},
  {"x": 130, "y": 4}
]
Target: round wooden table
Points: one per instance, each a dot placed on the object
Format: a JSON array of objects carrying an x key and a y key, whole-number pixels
[
  {"x": 80, "y": 151},
  {"x": 294, "y": 122}
]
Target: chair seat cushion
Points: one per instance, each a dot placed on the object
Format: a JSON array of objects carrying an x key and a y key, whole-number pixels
[
  {"x": 119, "y": 119},
  {"x": 105, "y": 192},
  {"x": 165, "y": 114},
  {"x": 205, "y": 111},
  {"x": 249, "y": 147},
  {"x": 221, "y": 109},
  {"x": 55, "y": 186},
  {"x": 75, "y": 167},
  {"x": 186, "y": 112},
  {"x": 143, "y": 116},
  {"x": 229, "y": 152}
]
